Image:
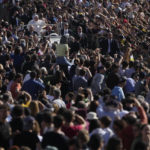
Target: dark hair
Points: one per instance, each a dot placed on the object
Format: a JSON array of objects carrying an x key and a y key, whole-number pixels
[
  {"x": 17, "y": 111},
  {"x": 94, "y": 124},
  {"x": 47, "y": 117},
  {"x": 140, "y": 145},
  {"x": 33, "y": 74},
  {"x": 114, "y": 143},
  {"x": 82, "y": 72},
  {"x": 64, "y": 40},
  {"x": 106, "y": 121},
  {"x": 95, "y": 141},
  {"x": 58, "y": 121},
  {"x": 68, "y": 116}
]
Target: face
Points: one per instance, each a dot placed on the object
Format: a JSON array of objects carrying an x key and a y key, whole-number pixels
[
  {"x": 36, "y": 18},
  {"x": 79, "y": 29}
]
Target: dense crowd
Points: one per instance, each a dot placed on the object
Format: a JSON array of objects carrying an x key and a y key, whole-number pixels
[{"x": 90, "y": 91}]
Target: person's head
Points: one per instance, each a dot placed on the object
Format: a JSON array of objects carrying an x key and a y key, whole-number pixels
[
  {"x": 110, "y": 35},
  {"x": 36, "y": 18},
  {"x": 31, "y": 28},
  {"x": 4, "y": 110},
  {"x": 96, "y": 142},
  {"x": 29, "y": 123},
  {"x": 17, "y": 111},
  {"x": 79, "y": 97},
  {"x": 46, "y": 120},
  {"x": 18, "y": 50},
  {"x": 66, "y": 26},
  {"x": 114, "y": 143},
  {"x": 33, "y": 75},
  {"x": 118, "y": 125},
  {"x": 79, "y": 29},
  {"x": 69, "y": 96},
  {"x": 83, "y": 137},
  {"x": 140, "y": 145},
  {"x": 68, "y": 116},
  {"x": 95, "y": 123},
  {"x": 105, "y": 121},
  {"x": 93, "y": 105},
  {"x": 145, "y": 130},
  {"x": 58, "y": 121},
  {"x": 34, "y": 107},
  {"x": 101, "y": 69},
  {"x": 122, "y": 81},
  {"x": 18, "y": 78},
  {"x": 82, "y": 72},
  {"x": 57, "y": 93}
]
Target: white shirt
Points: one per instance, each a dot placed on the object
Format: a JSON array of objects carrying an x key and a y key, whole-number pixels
[
  {"x": 60, "y": 103},
  {"x": 37, "y": 25}
]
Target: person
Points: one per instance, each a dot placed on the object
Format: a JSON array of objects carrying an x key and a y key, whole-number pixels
[
  {"x": 37, "y": 24},
  {"x": 66, "y": 31},
  {"x": 115, "y": 143},
  {"x": 143, "y": 140},
  {"x": 5, "y": 130},
  {"x": 98, "y": 80},
  {"x": 81, "y": 37},
  {"x": 109, "y": 45},
  {"x": 57, "y": 99},
  {"x": 27, "y": 137},
  {"x": 32, "y": 86},
  {"x": 118, "y": 90},
  {"x": 96, "y": 142},
  {"x": 56, "y": 138},
  {"x": 62, "y": 52},
  {"x": 80, "y": 81},
  {"x": 70, "y": 128},
  {"x": 16, "y": 86}
]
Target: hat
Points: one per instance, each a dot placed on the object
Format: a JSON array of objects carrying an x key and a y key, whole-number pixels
[{"x": 91, "y": 116}]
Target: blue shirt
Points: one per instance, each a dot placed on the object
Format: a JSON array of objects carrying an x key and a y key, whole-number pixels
[
  {"x": 33, "y": 87},
  {"x": 118, "y": 91}
]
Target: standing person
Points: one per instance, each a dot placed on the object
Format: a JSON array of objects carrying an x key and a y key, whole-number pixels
[
  {"x": 70, "y": 128},
  {"x": 81, "y": 37},
  {"x": 109, "y": 45},
  {"x": 28, "y": 137},
  {"x": 32, "y": 86},
  {"x": 4, "y": 127},
  {"x": 37, "y": 23},
  {"x": 118, "y": 89},
  {"x": 98, "y": 80},
  {"x": 62, "y": 52},
  {"x": 16, "y": 86},
  {"x": 56, "y": 138}
]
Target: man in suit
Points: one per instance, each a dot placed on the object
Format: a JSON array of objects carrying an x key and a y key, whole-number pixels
[
  {"x": 109, "y": 45},
  {"x": 66, "y": 30},
  {"x": 81, "y": 37}
]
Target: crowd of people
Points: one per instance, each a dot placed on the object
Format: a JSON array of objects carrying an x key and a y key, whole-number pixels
[{"x": 90, "y": 91}]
